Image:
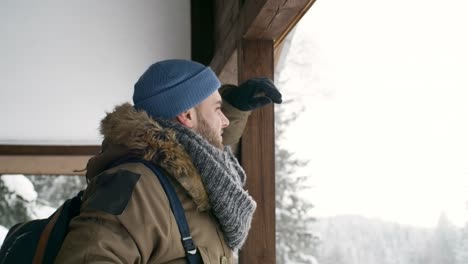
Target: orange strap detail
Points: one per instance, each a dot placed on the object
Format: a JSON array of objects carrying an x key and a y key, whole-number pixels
[{"x": 42, "y": 244}]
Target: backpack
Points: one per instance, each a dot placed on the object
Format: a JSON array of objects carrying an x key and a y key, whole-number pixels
[{"x": 39, "y": 241}]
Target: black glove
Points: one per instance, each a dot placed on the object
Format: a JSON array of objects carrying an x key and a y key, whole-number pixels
[{"x": 252, "y": 94}]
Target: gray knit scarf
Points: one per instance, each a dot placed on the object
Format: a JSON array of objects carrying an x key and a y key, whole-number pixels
[{"x": 223, "y": 178}]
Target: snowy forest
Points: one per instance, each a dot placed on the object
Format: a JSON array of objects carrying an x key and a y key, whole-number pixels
[
  {"x": 359, "y": 240},
  {"x": 342, "y": 239},
  {"x": 24, "y": 198},
  {"x": 350, "y": 239}
]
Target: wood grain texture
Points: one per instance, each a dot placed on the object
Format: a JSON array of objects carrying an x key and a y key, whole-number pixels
[
  {"x": 276, "y": 18},
  {"x": 42, "y": 150},
  {"x": 258, "y": 156},
  {"x": 255, "y": 19},
  {"x": 43, "y": 165}
]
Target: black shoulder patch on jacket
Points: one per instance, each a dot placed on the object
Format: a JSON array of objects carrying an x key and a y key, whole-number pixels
[{"x": 113, "y": 191}]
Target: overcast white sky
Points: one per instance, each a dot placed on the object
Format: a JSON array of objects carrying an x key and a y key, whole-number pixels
[{"x": 386, "y": 89}]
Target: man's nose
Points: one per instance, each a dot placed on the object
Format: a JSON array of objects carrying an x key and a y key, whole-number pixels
[{"x": 225, "y": 121}]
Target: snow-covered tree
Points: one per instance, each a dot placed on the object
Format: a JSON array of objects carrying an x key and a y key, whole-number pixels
[
  {"x": 352, "y": 239},
  {"x": 461, "y": 251},
  {"x": 17, "y": 197},
  {"x": 23, "y": 198},
  {"x": 461, "y": 255},
  {"x": 54, "y": 190},
  {"x": 442, "y": 248},
  {"x": 295, "y": 242}
]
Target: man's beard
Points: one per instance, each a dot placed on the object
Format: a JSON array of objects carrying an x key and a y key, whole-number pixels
[{"x": 208, "y": 133}]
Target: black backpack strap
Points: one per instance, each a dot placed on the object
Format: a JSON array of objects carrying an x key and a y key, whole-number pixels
[
  {"x": 44, "y": 238},
  {"x": 69, "y": 210},
  {"x": 191, "y": 252}
]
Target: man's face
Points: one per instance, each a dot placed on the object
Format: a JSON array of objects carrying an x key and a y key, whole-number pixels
[{"x": 210, "y": 120}]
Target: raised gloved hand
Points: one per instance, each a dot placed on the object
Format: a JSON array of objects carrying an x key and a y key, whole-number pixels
[{"x": 252, "y": 94}]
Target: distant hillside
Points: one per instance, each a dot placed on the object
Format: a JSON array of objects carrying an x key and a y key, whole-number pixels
[{"x": 358, "y": 240}]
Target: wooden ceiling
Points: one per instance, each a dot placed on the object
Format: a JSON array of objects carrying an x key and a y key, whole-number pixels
[{"x": 232, "y": 21}]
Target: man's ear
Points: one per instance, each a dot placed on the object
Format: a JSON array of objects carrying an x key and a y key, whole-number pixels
[{"x": 187, "y": 118}]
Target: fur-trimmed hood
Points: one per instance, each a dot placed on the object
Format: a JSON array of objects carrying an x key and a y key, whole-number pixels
[{"x": 130, "y": 132}]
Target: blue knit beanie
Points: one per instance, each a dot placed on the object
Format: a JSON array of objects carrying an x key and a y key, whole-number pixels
[{"x": 170, "y": 87}]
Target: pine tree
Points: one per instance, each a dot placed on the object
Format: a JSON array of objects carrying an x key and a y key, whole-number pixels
[
  {"x": 461, "y": 253},
  {"x": 24, "y": 198},
  {"x": 15, "y": 206},
  {"x": 442, "y": 246},
  {"x": 54, "y": 190},
  {"x": 461, "y": 256},
  {"x": 295, "y": 242}
]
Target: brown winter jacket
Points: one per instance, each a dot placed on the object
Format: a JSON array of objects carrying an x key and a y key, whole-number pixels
[{"x": 126, "y": 216}]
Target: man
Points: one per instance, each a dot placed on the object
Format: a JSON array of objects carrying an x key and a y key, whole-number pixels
[{"x": 176, "y": 123}]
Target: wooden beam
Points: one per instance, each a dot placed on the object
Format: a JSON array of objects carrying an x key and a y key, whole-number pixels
[
  {"x": 45, "y": 160},
  {"x": 43, "y": 165},
  {"x": 42, "y": 150},
  {"x": 226, "y": 33},
  {"x": 256, "y": 19},
  {"x": 275, "y": 19},
  {"x": 256, "y": 58},
  {"x": 229, "y": 74}
]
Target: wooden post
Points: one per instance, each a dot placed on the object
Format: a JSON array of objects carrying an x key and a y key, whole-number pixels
[{"x": 256, "y": 59}]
